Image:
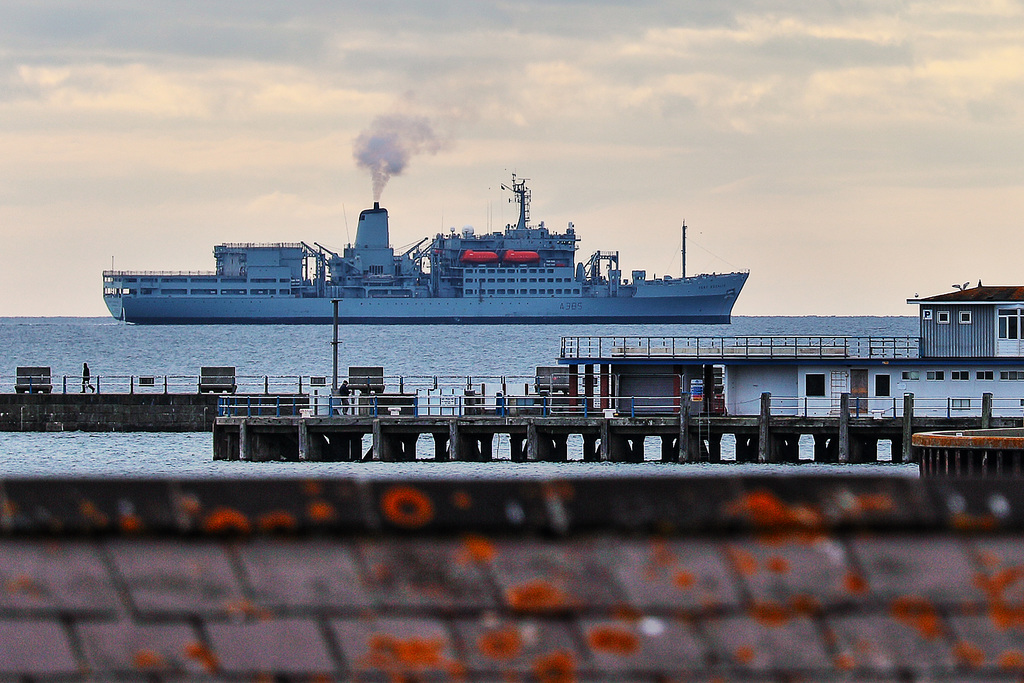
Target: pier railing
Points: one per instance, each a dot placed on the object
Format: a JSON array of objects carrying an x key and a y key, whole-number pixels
[{"x": 736, "y": 348}]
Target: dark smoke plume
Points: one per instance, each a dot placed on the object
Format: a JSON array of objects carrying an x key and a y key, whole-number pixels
[{"x": 386, "y": 146}]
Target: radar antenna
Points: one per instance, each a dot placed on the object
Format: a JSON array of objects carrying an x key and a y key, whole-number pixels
[{"x": 522, "y": 198}]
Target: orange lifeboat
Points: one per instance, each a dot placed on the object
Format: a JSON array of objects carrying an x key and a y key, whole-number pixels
[
  {"x": 512, "y": 256},
  {"x": 471, "y": 256}
]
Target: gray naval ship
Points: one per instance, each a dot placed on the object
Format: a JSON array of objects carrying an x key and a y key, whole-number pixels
[{"x": 526, "y": 274}]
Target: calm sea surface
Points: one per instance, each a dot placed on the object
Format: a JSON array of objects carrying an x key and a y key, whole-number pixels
[{"x": 115, "y": 351}]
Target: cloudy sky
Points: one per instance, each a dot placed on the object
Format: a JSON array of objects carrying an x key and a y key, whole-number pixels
[{"x": 849, "y": 153}]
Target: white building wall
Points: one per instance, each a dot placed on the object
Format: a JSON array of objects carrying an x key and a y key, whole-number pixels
[{"x": 744, "y": 385}]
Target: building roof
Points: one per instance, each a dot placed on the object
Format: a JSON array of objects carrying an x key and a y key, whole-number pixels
[
  {"x": 742, "y": 578},
  {"x": 980, "y": 294}
]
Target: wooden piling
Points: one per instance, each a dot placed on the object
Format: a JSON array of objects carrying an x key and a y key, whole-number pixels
[
  {"x": 764, "y": 446},
  {"x": 986, "y": 410},
  {"x": 907, "y": 454},
  {"x": 844, "y": 428},
  {"x": 684, "y": 430}
]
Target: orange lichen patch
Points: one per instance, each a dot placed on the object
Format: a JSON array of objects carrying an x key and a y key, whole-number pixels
[
  {"x": 626, "y": 613},
  {"x": 536, "y": 595},
  {"x": 462, "y": 500},
  {"x": 92, "y": 513},
  {"x": 407, "y": 507},
  {"x": 413, "y": 654},
  {"x": 501, "y": 644},
  {"x": 277, "y": 520},
  {"x": 10, "y": 508},
  {"x": 855, "y": 583},
  {"x": 320, "y": 511},
  {"x": 203, "y": 655},
  {"x": 777, "y": 564},
  {"x": 478, "y": 549},
  {"x": 312, "y": 488},
  {"x": 770, "y": 614},
  {"x": 557, "y": 667},
  {"x": 190, "y": 505},
  {"x": 874, "y": 502},
  {"x": 994, "y": 585},
  {"x": 765, "y": 509},
  {"x": 744, "y": 654},
  {"x": 147, "y": 659},
  {"x": 746, "y": 564},
  {"x": 918, "y": 614},
  {"x": 845, "y": 662},
  {"x": 559, "y": 489},
  {"x": 226, "y": 520},
  {"x": 684, "y": 580},
  {"x": 968, "y": 654},
  {"x": 989, "y": 559},
  {"x": 614, "y": 640},
  {"x": 1011, "y": 659},
  {"x": 966, "y": 522},
  {"x": 130, "y": 524},
  {"x": 246, "y": 608},
  {"x": 804, "y": 603},
  {"x": 24, "y": 585}
]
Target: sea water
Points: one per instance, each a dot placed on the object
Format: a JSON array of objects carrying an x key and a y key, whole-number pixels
[{"x": 116, "y": 350}]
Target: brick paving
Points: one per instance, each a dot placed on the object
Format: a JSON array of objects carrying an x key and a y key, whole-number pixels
[{"x": 868, "y": 579}]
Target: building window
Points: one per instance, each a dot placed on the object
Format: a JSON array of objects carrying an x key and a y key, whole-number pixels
[
  {"x": 814, "y": 385},
  {"x": 911, "y": 375},
  {"x": 984, "y": 375},
  {"x": 1012, "y": 375},
  {"x": 926, "y": 313},
  {"x": 882, "y": 385},
  {"x": 1009, "y": 323},
  {"x": 965, "y": 317},
  {"x": 942, "y": 317},
  {"x": 960, "y": 375},
  {"x": 937, "y": 375},
  {"x": 960, "y": 403}
]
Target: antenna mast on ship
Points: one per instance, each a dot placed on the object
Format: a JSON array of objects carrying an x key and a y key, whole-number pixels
[
  {"x": 522, "y": 198},
  {"x": 683, "y": 249}
]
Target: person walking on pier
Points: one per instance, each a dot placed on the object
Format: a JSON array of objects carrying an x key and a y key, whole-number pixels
[
  {"x": 344, "y": 392},
  {"x": 85, "y": 379}
]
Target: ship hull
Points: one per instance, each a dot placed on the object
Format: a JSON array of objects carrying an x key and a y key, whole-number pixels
[{"x": 708, "y": 299}]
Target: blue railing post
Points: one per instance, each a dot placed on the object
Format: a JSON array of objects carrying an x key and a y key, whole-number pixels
[
  {"x": 131, "y": 384},
  {"x": 376, "y": 412},
  {"x": 65, "y": 388},
  {"x": 632, "y": 406},
  {"x": 279, "y": 406}
]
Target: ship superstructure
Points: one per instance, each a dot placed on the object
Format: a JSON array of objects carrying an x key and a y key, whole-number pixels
[{"x": 524, "y": 274}]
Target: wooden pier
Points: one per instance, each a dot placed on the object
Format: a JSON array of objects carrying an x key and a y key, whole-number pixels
[{"x": 683, "y": 438}]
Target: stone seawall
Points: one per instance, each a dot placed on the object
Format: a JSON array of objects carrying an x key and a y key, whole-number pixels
[{"x": 107, "y": 412}]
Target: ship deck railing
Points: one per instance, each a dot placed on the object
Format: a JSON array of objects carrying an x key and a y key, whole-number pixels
[
  {"x": 159, "y": 273},
  {"x": 739, "y": 348}
]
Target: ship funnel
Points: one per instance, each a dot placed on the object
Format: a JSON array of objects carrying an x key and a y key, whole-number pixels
[{"x": 372, "y": 232}]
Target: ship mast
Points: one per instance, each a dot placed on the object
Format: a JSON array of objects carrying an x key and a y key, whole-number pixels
[
  {"x": 683, "y": 249},
  {"x": 522, "y": 198}
]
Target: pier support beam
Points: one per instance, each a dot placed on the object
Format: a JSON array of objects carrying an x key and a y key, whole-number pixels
[
  {"x": 907, "y": 452},
  {"x": 844, "y": 428},
  {"x": 440, "y": 447},
  {"x": 517, "y": 447},
  {"x": 303, "y": 440},
  {"x": 764, "y": 442},
  {"x": 243, "y": 440},
  {"x": 591, "y": 447},
  {"x": 686, "y": 453}
]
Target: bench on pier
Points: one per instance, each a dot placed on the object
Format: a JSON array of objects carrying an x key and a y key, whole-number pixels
[
  {"x": 33, "y": 380},
  {"x": 216, "y": 378},
  {"x": 368, "y": 380}
]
